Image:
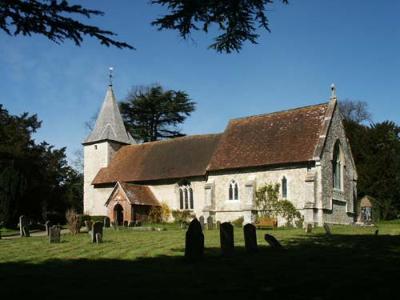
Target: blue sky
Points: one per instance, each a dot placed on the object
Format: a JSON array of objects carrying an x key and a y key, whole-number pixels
[{"x": 353, "y": 43}]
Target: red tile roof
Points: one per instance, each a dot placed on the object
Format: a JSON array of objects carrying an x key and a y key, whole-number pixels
[{"x": 139, "y": 194}]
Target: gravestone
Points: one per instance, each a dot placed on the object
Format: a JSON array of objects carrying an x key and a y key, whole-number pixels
[
  {"x": 48, "y": 226},
  {"x": 96, "y": 228},
  {"x": 194, "y": 241},
  {"x": 88, "y": 225},
  {"x": 99, "y": 238},
  {"x": 23, "y": 222},
  {"x": 54, "y": 234},
  {"x": 273, "y": 242},
  {"x": 201, "y": 220},
  {"x": 327, "y": 229},
  {"x": 210, "y": 223},
  {"x": 106, "y": 222},
  {"x": 309, "y": 228},
  {"x": 250, "y": 238},
  {"x": 218, "y": 224},
  {"x": 126, "y": 223},
  {"x": 114, "y": 225},
  {"x": 226, "y": 238},
  {"x": 377, "y": 232},
  {"x": 26, "y": 232}
]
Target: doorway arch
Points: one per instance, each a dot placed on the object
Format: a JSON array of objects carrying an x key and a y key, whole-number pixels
[{"x": 119, "y": 214}]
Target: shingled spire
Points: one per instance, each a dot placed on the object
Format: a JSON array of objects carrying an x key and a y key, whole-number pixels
[{"x": 109, "y": 125}]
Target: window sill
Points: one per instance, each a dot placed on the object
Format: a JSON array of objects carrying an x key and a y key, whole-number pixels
[{"x": 232, "y": 201}]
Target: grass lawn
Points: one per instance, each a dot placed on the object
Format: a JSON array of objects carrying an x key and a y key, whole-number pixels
[{"x": 352, "y": 262}]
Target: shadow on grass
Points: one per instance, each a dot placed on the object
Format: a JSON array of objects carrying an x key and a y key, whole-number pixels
[{"x": 315, "y": 267}]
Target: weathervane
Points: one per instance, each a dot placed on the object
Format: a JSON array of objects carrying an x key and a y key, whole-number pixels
[
  {"x": 333, "y": 91},
  {"x": 110, "y": 75}
]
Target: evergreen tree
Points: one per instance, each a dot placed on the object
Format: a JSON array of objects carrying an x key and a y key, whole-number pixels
[{"x": 153, "y": 113}]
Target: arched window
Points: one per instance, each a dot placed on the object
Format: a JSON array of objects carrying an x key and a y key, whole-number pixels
[
  {"x": 233, "y": 190},
  {"x": 284, "y": 187},
  {"x": 337, "y": 166},
  {"x": 186, "y": 200}
]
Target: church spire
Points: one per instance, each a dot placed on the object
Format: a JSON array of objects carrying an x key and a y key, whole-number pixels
[{"x": 109, "y": 125}]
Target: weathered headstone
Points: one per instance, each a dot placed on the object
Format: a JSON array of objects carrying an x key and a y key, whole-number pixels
[
  {"x": 226, "y": 238},
  {"x": 377, "y": 232},
  {"x": 106, "y": 222},
  {"x": 327, "y": 229},
  {"x": 126, "y": 223},
  {"x": 99, "y": 238},
  {"x": 88, "y": 225},
  {"x": 309, "y": 227},
  {"x": 218, "y": 224},
  {"x": 23, "y": 222},
  {"x": 96, "y": 228},
  {"x": 210, "y": 223},
  {"x": 201, "y": 220},
  {"x": 25, "y": 231},
  {"x": 194, "y": 242},
  {"x": 273, "y": 242},
  {"x": 54, "y": 234},
  {"x": 48, "y": 226},
  {"x": 250, "y": 238}
]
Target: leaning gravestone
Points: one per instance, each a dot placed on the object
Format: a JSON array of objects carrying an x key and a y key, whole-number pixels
[
  {"x": 54, "y": 234},
  {"x": 194, "y": 242},
  {"x": 327, "y": 229},
  {"x": 96, "y": 228},
  {"x": 226, "y": 238},
  {"x": 309, "y": 228},
  {"x": 106, "y": 222},
  {"x": 250, "y": 238},
  {"x": 201, "y": 220},
  {"x": 210, "y": 223},
  {"x": 48, "y": 226},
  {"x": 273, "y": 242},
  {"x": 23, "y": 222}
]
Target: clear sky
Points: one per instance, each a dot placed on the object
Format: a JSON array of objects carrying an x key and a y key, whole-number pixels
[{"x": 353, "y": 43}]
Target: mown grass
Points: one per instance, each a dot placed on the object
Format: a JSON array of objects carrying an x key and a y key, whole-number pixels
[{"x": 352, "y": 262}]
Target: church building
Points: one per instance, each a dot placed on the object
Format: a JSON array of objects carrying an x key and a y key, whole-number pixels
[{"x": 303, "y": 149}]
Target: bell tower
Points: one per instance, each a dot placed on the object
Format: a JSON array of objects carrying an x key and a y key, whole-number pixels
[{"x": 107, "y": 137}]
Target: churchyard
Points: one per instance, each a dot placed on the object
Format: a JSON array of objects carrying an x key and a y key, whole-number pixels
[{"x": 351, "y": 261}]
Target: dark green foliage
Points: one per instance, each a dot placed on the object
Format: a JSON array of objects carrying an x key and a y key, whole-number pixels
[
  {"x": 51, "y": 19},
  {"x": 237, "y": 20},
  {"x": 376, "y": 151},
  {"x": 153, "y": 113},
  {"x": 35, "y": 179}
]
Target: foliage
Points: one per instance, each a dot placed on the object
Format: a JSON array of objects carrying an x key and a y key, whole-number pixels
[
  {"x": 35, "y": 179},
  {"x": 52, "y": 20},
  {"x": 73, "y": 221},
  {"x": 182, "y": 216},
  {"x": 238, "y": 222},
  {"x": 97, "y": 219},
  {"x": 152, "y": 113},
  {"x": 165, "y": 212},
  {"x": 237, "y": 20},
  {"x": 355, "y": 111},
  {"x": 155, "y": 215},
  {"x": 376, "y": 152},
  {"x": 269, "y": 205}
]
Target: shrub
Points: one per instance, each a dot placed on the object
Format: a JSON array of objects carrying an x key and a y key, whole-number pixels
[
  {"x": 73, "y": 221},
  {"x": 182, "y": 216},
  {"x": 165, "y": 212},
  {"x": 97, "y": 219},
  {"x": 155, "y": 214},
  {"x": 238, "y": 222}
]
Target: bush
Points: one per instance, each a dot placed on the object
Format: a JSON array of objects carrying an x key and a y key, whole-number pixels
[
  {"x": 182, "y": 216},
  {"x": 73, "y": 221},
  {"x": 155, "y": 214},
  {"x": 238, "y": 222},
  {"x": 165, "y": 212}
]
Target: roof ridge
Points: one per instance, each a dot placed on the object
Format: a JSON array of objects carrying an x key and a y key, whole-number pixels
[{"x": 279, "y": 111}]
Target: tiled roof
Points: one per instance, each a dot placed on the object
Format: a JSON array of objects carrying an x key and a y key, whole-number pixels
[
  {"x": 271, "y": 139},
  {"x": 139, "y": 194},
  {"x": 176, "y": 158}
]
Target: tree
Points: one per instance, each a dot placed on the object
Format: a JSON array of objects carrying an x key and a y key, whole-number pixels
[
  {"x": 356, "y": 111},
  {"x": 238, "y": 20},
  {"x": 152, "y": 113},
  {"x": 35, "y": 178},
  {"x": 52, "y": 19}
]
